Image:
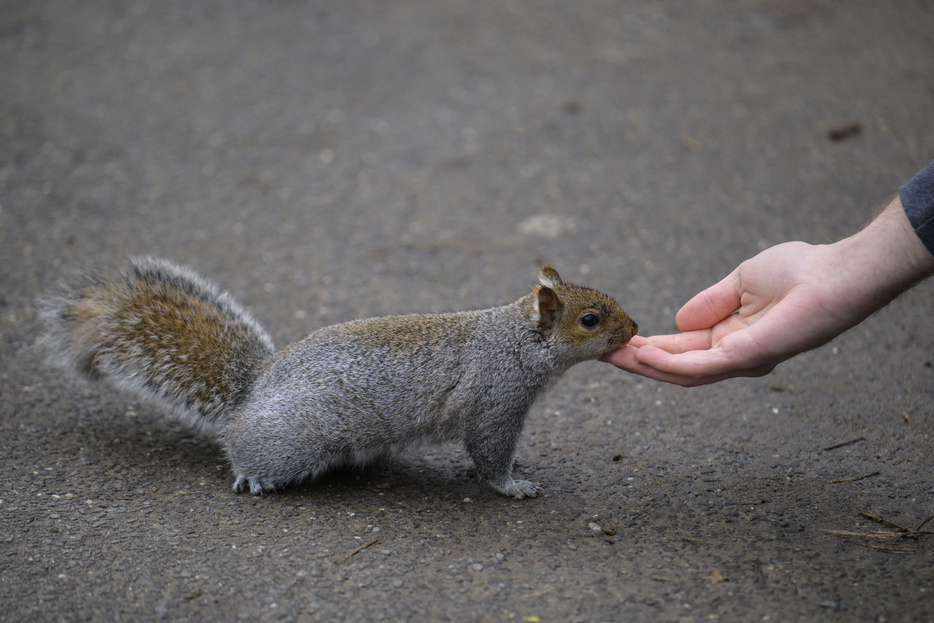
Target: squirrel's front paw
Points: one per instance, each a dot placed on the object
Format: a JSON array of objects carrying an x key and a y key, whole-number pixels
[
  {"x": 255, "y": 486},
  {"x": 519, "y": 488}
]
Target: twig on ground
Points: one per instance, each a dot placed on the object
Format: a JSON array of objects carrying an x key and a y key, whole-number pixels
[
  {"x": 845, "y": 443},
  {"x": 897, "y": 533},
  {"x": 842, "y": 480},
  {"x": 357, "y": 551}
]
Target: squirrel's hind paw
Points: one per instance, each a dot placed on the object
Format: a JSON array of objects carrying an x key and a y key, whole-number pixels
[{"x": 519, "y": 489}]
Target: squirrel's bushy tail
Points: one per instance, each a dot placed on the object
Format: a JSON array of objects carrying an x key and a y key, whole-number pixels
[{"x": 162, "y": 332}]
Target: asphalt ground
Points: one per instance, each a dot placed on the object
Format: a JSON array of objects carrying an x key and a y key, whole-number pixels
[{"x": 326, "y": 161}]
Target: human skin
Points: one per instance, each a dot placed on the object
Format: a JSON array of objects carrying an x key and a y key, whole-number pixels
[{"x": 790, "y": 298}]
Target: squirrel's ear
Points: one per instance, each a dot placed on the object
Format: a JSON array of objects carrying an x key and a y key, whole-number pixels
[
  {"x": 547, "y": 305},
  {"x": 549, "y": 277}
]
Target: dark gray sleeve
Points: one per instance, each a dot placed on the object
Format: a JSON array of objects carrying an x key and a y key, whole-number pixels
[{"x": 918, "y": 200}]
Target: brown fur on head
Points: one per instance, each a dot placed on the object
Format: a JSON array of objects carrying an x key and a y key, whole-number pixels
[{"x": 579, "y": 315}]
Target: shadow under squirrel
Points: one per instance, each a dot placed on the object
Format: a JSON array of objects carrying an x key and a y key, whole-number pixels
[{"x": 346, "y": 394}]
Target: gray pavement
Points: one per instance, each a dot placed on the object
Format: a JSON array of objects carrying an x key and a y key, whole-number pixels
[{"x": 326, "y": 161}]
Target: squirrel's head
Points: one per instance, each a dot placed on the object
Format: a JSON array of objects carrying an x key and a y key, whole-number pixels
[{"x": 586, "y": 322}]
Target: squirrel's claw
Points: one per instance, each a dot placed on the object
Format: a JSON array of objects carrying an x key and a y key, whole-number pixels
[{"x": 254, "y": 485}]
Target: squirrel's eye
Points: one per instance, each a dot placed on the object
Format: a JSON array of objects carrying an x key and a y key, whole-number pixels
[{"x": 590, "y": 320}]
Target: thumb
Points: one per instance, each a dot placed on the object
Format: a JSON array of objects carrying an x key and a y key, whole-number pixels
[{"x": 710, "y": 306}]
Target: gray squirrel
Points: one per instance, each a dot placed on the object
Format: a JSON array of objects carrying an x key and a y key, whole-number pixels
[{"x": 347, "y": 393}]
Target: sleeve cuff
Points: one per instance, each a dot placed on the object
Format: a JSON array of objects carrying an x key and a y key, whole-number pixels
[{"x": 917, "y": 197}]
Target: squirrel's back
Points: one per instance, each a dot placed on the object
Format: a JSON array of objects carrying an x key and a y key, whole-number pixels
[{"x": 161, "y": 331}]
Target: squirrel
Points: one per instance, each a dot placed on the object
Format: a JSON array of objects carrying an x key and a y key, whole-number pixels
[{"x": 346, "y": 394}]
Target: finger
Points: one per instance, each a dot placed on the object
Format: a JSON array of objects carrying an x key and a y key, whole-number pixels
[
  {"x": 681, "y": 342},
  {"x": 710, "y": 306},
  {"x": 624, "y": 357},
  {"x": 694, "y": 368},
  {"x": 693, "y": 364},
  {"x": 674, "y": 343},
  {"x": 671, "y": 368},
  {"x": 696, "y": 381}
]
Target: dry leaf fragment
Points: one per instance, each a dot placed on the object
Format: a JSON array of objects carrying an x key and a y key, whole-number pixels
[{"x": 692, "y": 144}]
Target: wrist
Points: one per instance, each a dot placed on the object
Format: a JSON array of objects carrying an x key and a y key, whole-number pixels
[{"x": 883, "y": 259}]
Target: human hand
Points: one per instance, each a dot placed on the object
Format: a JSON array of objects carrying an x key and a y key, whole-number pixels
[
  {"x": 770, "y": 308},
  {"x": 788, "y": 299}
]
